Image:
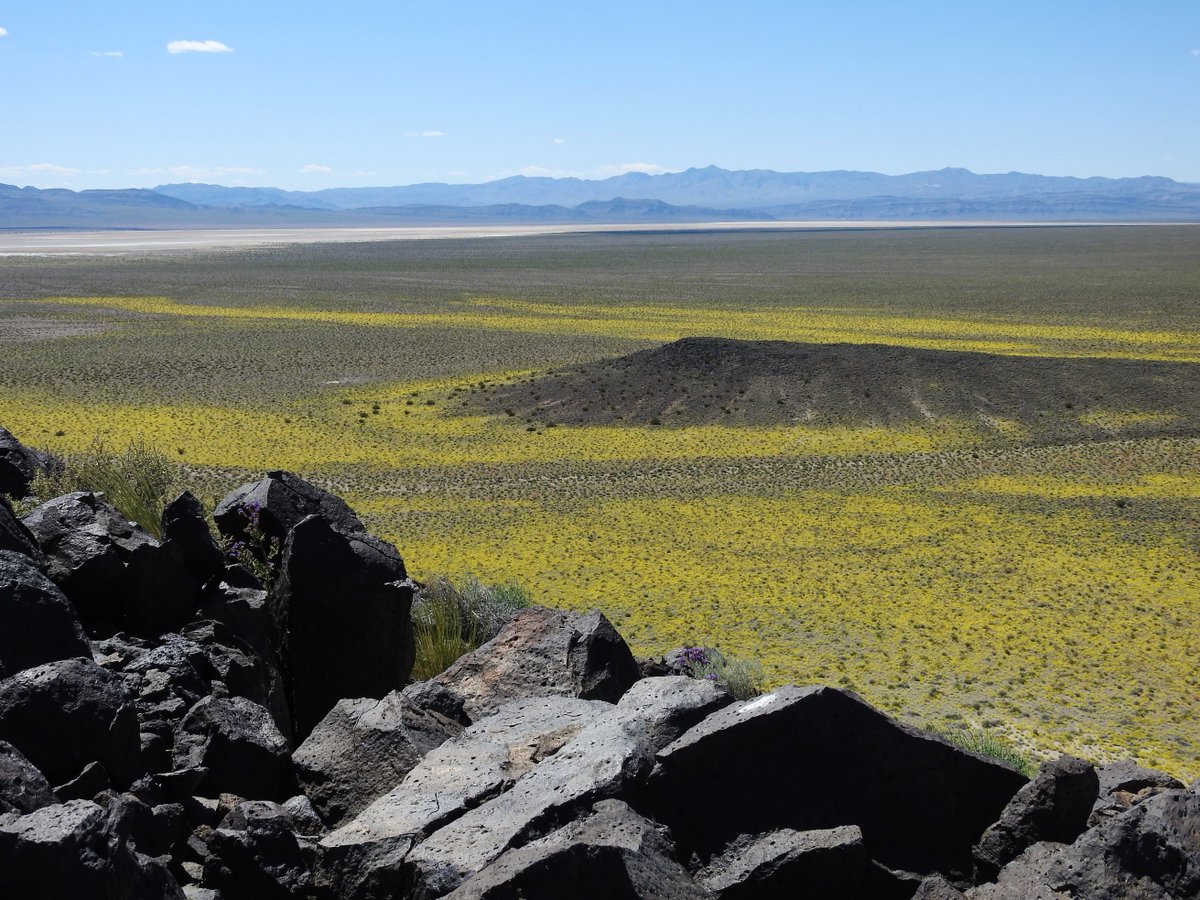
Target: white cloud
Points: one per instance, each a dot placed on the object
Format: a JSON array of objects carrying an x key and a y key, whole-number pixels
[
  {"x": 198, "y": 47},
  {"x": 425, "y": 134},
  {"x": 116, "y": 54},
  {"x": 36, "y": 169},
  {"x": 194, "y": 173},
  {"x": 316, "y": 169},
  {"x": 626, "y": 168},
  {"x": 558, "y": 141},
  {"x": 3, "y": 32},
  {"x": 544, "y": 172}
]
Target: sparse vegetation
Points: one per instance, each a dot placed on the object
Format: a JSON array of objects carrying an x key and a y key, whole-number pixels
[
  {"x": 450, "y": 619},
  {"x": 984, "y": 742}
]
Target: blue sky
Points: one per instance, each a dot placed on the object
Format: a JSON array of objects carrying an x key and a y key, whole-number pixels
[{"x": 311, "y": 95}]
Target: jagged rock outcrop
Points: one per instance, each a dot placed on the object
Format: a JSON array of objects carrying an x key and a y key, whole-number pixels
[
  {"x": 37, "y": 622},
  {"x": 239, "y": 744},
  {"x": 277, "y": 504},
  {"x": 259, "y": 853},
  {"x": 15, "y": 536},
  {"x": 1123, "y": 784},
  {"x": 785, "y": 864},
  {"x": 22, "y": 787},
  {"x": 185, "y": 527},
  {"x": 19, "y": 465},
  {"x": 341, "y": 604}
]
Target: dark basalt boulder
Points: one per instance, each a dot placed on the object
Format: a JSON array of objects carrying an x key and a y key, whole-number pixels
[
  {"x": 936, "y": 887},
  {"x": 18, "y": 465},
  {"x": 1124, "y": 784},
  {"x": 65, "y": 714},
  {"x": 279, "y": 503},
  {"x": 255, "y": 854},
  {"x": 86, "y": 543},
  {"x": 341, "y": 604},
  {"x": 237, "y": 741},
  {"x": 611, "y": 854},
  {"x": 543, "y": 652},
  {"x": 86, "y": 785},
  {"x": 39, "y": 624},
  {"x": 22, "y": 787},
  {"x": 362, "y": 749},
  {"x": 1054, "y": 806},
  {"x": 15, "y": 536},
  {"x": 78, "y": 851},
  {"x": 185, "y": 526},
  {"x": 785, "y": 864},
  {"x": 158, "y": 593},
  {"x": 818, "y": 757}
]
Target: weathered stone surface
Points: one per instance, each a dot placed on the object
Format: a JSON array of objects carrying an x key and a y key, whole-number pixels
[
  {"x": 18, "y": 465},
  {"x": 1054, "y": 806},
  {"x": 15, "y": 536},
  {"x": 86, "y": 543},
  {"x": 342, "y": 604},
  {"x": 936, "y": 887},
  {"x": 362, "y": 749},
  {"x": 818, "y": 757},
  {"x": 185, "y": 526},
  {"x": 364, "y": 858},
  {"x": 22, "y": 787},
  {"x": 544, "y": 652},
  {"x": 244, "y": 611},
  {"x": 76, "y": 851},
  {"x": 303, "y": 814},
  {"x": 158, "y": 593},
  {"x": 1125, "y": 783},
  {"x": 255, "y": 855},
  {"x": 63, "y": 715},
  {"x": 282, "y": 501},
  {"x": 611, "y": 854},
  {"x": 240, "y": 745},
  {"x": 39, "y": 624},
  {"x": 672, "y": 704},
  {"x": 86, "y": 785},
  {"x": 785, "y": 864}
]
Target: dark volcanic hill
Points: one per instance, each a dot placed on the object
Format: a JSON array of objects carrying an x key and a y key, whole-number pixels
[{"x": 718, "y": 380}]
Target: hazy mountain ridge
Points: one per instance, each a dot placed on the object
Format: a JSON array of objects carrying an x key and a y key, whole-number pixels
[{"x": 696, "y": 195}]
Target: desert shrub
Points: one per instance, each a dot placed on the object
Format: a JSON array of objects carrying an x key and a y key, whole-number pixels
[
  {"x": 742, "y": 678},
  {"x": 985, "y": 743},
  {"x": 450, "y": 619},
  {"x": 136, "y": 480}
]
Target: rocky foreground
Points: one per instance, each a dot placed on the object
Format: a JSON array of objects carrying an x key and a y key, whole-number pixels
[{"x": 171, "y": 728}]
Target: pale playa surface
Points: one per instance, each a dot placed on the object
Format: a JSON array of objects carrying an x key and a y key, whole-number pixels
[{"x": 141, "y": 243}]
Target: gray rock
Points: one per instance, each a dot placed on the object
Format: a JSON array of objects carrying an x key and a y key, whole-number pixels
[
  {"x": 672, "y": 704},
  {"x": 239, "y": 744},
  {"x": 364, "y": 858},
  {"x": 76, "y": 851},
  {"x": 255, "y": 855},
  {"x": 303, "y": 815},
  {"x": 818, "y": 757},
  {"x": 15, "y": 536},
  {"x": 86, "y": 785},
  {"x": 63, "y": 715},
  {"x": 22, "y": 787},
  {"x": 18, "y": 465},
  {"x": 936, "y": 887},
  {"x": 86, "y": 543},
  {"x": 245, "y": 612},
  {"x": 281, "y": 501},
  {"x": 544, "y": 652},
  {"x": 611, "y": 854},
  {"x": 185, "y": 526},
  {"x": 362, "y": 749},
  {"x": 1124, "y": 783},
  {"x": 1054, "y": 806},
  {"x": 785, "y": 864},
  {"x": 40, "y": 624},
  {"x": 158, "y": 593},
  {"x": 342, "y": 604}
]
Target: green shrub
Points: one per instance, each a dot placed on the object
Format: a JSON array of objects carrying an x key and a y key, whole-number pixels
[
  {"x": 978, "y": 740},
  {"x": 451, "y": 619},
  {"x": 137, "y": 480},
  {"x": 742, "y": 678}
]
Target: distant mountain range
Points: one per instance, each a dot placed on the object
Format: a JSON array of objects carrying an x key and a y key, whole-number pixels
[{"x": 696, "y": 195}]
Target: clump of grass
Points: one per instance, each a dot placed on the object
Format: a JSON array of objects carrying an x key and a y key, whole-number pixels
[
  {"x": 741, "y": 677},
  {"x": 450, "y": 619},
  {"x": 985, "y": 743},
  {"x": 136, "y": 480}
]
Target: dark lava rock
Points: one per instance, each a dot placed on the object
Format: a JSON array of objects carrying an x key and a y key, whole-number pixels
[
  {"x": 86, "y": 543},
  {"x": 63, "y": 715},
  {"x": 15, "y": 536},
  {"x": 612, "y": 854},
  {"x": 544, "y": 652},
  {"x": 245, "y": 612},
  {"x": 1124, "y": 784},
  {"x": 342, "y": 604},
  {"x": 22, "y": 787},
  {"x": 280, "y": 502},
  {"x": 86, "y": 785},
  {"x": 256, "y": 855},
  {"x": 1054, "y": 806},
  {"x": 364, "y": 858},
  {"x": 77, "y": 851},
  {"x": 818, "y": 757},
  {"x": 185, "y": 526},
  {"x": 158, "y": 592},
  {"x": 672, "y": 704},
  {"x": 362, "y": 749},
  {"x": 785, "y": 864},
  {"x": 237, "y": 741},
  {"x": 936, "y": 887},
  {"x": 18, "y": 465},
  {"x": 39, "y": 623}
]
